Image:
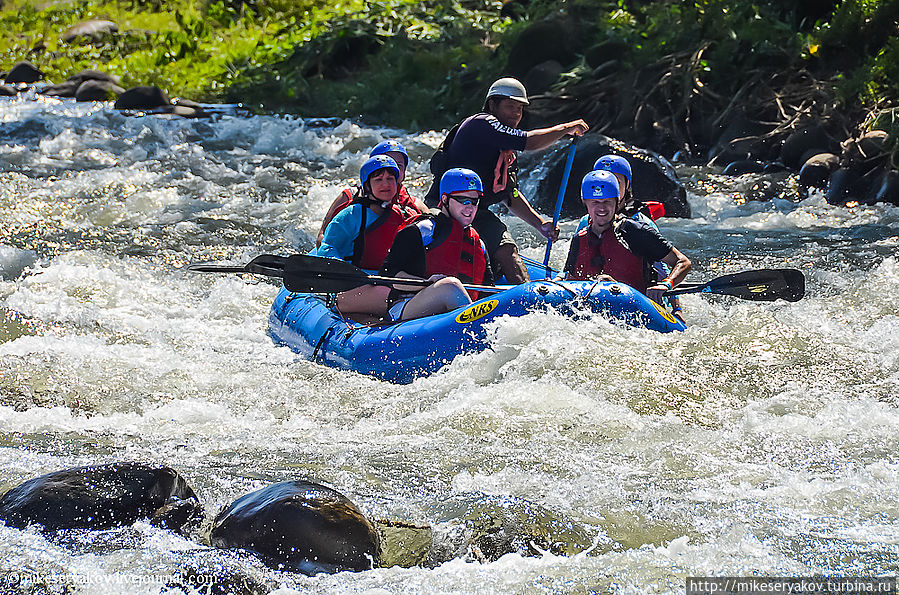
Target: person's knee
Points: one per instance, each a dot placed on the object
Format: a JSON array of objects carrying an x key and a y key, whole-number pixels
[{"x": 453, "y": 291}]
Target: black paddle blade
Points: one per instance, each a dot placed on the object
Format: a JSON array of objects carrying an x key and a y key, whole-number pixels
[
  {"x": 264, "y": 264},
  {"x": 764, "y": 285},
  {"x": 314, "y": 274}
]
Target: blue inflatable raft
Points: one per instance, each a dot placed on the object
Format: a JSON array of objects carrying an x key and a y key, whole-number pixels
[{"x": 401, "y": 351}]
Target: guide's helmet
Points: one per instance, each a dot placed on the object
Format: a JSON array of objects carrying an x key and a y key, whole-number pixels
[{"x": 508, "y": 87}]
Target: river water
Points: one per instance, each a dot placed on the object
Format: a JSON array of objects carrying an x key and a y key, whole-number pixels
[{"x": 761, "y": 441}]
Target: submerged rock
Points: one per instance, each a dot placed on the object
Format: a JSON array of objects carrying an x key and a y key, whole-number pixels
[
  {"x": 96, "y": 497},
  {"x": 495, "y": 526},
  {"x": 301, "y": 525}
]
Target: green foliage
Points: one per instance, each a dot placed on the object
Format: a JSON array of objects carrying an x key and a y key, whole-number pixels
[{"x": 401, "y": 62}]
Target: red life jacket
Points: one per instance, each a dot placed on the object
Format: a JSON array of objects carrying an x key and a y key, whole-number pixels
[
  {"x": 606, "y": 255},
  {"x": 458, "y": 253},
  {"x": 372, "y": 246}
]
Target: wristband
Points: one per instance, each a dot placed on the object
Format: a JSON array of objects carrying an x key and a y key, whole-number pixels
[{"x": 667, "y": 283}]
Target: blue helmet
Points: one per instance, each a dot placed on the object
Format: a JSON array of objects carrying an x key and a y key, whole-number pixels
[
  {"x": 390, "y": 146},
  {"x": 460, "y": 179},
  {"x": 615, "y": 164},
  {"x": 599, "y": 185},
  {"x": 373, "y": 164}
]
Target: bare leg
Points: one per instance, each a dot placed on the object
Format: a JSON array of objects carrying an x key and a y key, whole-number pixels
[
  {"x": 444, "y": 295},
  {"x": 368, "y": 299},
  {"x": 511, "y": 264}
]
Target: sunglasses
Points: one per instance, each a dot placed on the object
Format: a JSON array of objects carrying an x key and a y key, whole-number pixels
[{"x": 465, "y": 200}]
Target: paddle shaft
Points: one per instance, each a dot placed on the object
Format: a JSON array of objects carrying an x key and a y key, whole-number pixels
[
  {"x": 391, "y": 281},
  {"x": 559, "y": 200}
]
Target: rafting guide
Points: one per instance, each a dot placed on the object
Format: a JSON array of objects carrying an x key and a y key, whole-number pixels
[{"x": 488, "y": 143}]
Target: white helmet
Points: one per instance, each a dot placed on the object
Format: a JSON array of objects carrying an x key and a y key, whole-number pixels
[{"x": 508, "y": 87}]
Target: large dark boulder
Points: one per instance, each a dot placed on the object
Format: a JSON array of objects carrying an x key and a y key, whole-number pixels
[
  {"x": 93, "y": 90},
  {"x": 654, "y": 177},
  {"x": 24, "y": 72},
  {"x": 804, "y": 143},
  {"x": 96, "y": 497},
  {"x": 816, "y": 171},
  {"x": 843, "y": 186},
  {"x": 302, "y": 525},
  {"x": 92, "y": 30},
  {"x": 142, "y": 97}
]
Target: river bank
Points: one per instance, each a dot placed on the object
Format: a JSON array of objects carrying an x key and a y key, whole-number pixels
[{"x": 760, "y": 87}]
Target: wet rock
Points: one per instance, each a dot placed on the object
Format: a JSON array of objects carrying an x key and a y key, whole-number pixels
[
  {"x": 187, "y": 109},
  {"x": 654, "y": 177},
  {"x": 802, "y": 144},
  {"x": 63, "y": 89},
  {"x": 494, "y": 527},
  {"x": 816, "y": 172},
  {"x": 887, "y": 190},
  {"x": 7, "y": 91},
  {"x": 92, "y": 30},
  {"x": 176, "y": 516},
  {"x": 142, "y": 97},
  {"x": 96, "y": 497},
  {"x": 842, "y": 186},
  {"x": 93, "y": 90},
  {"x": 301, "y": 525},
  {"x": 866, "y": 148},
  {"x": 93, "y": 75},
  {"x": 746, "y": 166},
  {"x": 24, "y": 72},
  {"x": 403, "y": 544}
]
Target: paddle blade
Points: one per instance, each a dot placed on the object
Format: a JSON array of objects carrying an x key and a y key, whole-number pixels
[
  {"x": 764, "y": 285},
  {"x": 264, "y": 264},
  {"x": 314, "y": 274}
]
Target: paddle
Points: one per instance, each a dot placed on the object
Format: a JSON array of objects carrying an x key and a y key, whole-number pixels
[
  {"x": 559, "y": 200},
  {"x": 763, "y": 285},
  {"x": 313, "y": 274},
  {"x": 264, "y": 264}
]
